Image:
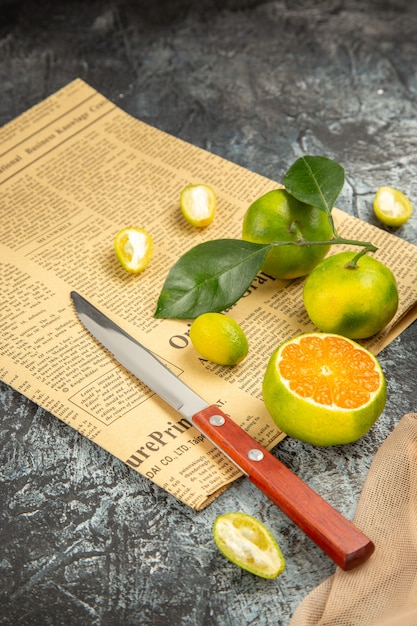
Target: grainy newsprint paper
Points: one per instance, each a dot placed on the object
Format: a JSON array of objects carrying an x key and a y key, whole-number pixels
[{"x": 74, "y": 170}]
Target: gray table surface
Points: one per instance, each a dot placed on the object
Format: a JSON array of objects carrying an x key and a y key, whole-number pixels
[{"x": 84, "y": 540}]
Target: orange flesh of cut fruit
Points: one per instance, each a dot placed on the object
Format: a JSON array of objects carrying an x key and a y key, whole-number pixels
[{"x": 330, "y": 371}]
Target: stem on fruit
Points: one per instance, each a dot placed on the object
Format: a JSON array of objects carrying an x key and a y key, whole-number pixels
[
  {"x": 353, "y": 263},
  {"x": 366, "y": 245}
]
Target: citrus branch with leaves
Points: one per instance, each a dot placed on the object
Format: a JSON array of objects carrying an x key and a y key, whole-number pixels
[{"x": 214, "y": 275}]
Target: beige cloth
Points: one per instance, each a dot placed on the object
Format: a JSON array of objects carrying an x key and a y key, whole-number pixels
[{"x": 382, "y": 591}]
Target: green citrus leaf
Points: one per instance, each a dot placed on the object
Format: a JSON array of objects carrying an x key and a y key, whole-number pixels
[
  {"x": 210, "y": 277},
  {"x": 315, "y": 180}
]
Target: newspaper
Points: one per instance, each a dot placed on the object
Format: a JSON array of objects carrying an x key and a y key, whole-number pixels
[{"x": 74, "y": 170}]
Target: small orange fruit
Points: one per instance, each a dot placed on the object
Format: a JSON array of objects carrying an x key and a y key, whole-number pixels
[
  {"x": 324, "y": 389},
  {"x": 219, "y": 338}
]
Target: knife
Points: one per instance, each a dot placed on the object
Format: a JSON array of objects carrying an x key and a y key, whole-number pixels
[{"x": 343, "y": 542}]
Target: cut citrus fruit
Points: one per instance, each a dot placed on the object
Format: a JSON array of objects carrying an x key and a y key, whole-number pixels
[
  {"x": 198, "y": 204},
  {"x": 355, "y": 301},
  {"x": 133, "y": 247},
  {"x": 392, "y": 207},
  {"x": 249, "y": 544},
  {"x": 324, "y": 389},
  {"x": 219, "y": 338}
]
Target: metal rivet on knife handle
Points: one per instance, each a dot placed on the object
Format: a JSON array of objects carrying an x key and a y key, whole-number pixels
[
  {"x": 255, "y": 454},
  {"x": 217, "y": 420}
]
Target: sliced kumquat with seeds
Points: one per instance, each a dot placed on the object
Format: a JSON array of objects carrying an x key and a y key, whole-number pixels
[
  {"x": 198, "y": 204},
  {"x": 246, "y": 542},
  {"x": 324, "y": 389},
  {"x": 392, "y": 207},
  {"x": 133, "y": 247}
]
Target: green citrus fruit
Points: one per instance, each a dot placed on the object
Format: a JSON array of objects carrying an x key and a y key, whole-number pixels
[
  {"x": 219, "y": 338},
  {"x": 246, "y": 542},
  {"x": 392, "y": 207},
  {"x": 356, "y": 302},
  {"x": 198, "y": 204},
  {"x": 278, "y": 216},
  {"x": 133, "y": 247},
  {"x": 324, "y": 389}
]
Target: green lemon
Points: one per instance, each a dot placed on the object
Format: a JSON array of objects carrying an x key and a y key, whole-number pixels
[
  {"x": 356, "y": 302},
  {"x": 219, "y": 338},
  {"x": 246, "y": 542},
  {"x": 278, "y": 216}
]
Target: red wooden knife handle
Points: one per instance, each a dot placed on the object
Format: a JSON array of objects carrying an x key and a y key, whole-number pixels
[{"x": 333, "y": 533}]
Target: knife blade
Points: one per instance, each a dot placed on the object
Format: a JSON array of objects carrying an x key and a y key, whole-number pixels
[{"x": 339, "y": 538}]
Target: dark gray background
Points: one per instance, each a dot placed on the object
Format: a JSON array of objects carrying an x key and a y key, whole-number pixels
[{"x": 86, "y": 541}]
